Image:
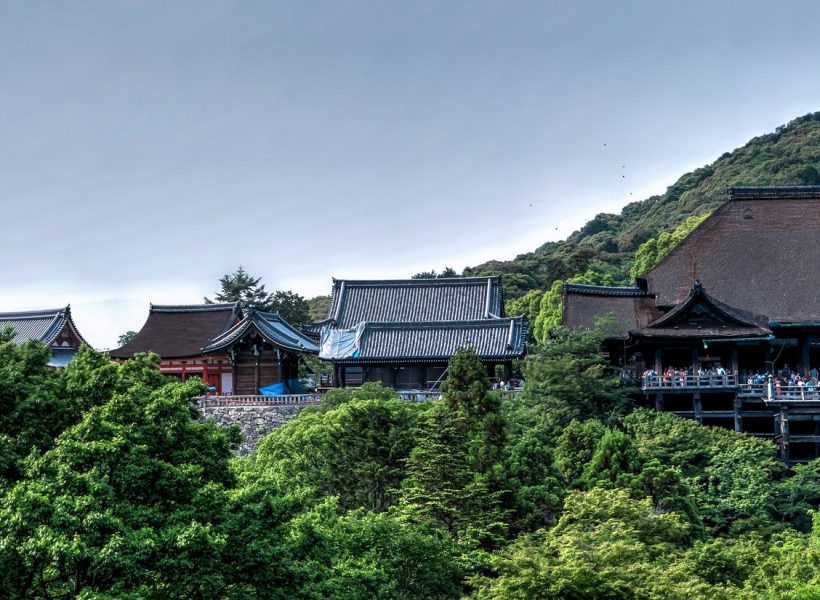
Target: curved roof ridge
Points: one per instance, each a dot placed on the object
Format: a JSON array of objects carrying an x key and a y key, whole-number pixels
[
  {"x": 604, "y": 290},
  {"x": 773, "y": 192},
  {"x": 417, "y": 282},
  {"x": 194, "y": 307}
]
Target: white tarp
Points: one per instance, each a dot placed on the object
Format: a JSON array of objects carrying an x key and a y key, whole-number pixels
[{"x": 340, "y": 343}]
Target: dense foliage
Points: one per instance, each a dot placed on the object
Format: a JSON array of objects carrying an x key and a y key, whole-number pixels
[{"x": 111, "y": 486}]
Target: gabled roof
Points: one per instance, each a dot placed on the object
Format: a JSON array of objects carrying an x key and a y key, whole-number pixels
[
  {"x": 702, "y": 316},
  {"x": 179, "y": 331},
  {"x": 415, "y": 300},
  {"x": 271, "y": 326},
  {"x": 42, "y": 325},
  {"x": 437, "y": 341},
  {"x": 758, "y": 252},
  {"x": 631, "y": 307}
]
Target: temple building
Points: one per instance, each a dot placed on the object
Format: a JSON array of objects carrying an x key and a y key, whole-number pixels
[
  {"x": 55, "y": 328},
  {"x": 726, "y": 328},
  {"x": 232, "y": 352},
  {"x": 403, "y": 332},
  {"x": 178, "y": 333},
  {"x": 264, "y": 352}
]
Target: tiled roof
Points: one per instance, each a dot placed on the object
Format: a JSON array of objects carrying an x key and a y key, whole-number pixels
[
  {"x": 630, "y": 309},
  {"x": 415, "y": 300},
  {"x": 603, "y": 290},
  {"x": 501, "y": 338},
  {"x": 776, "y": 192},
  {"x": 178, "y": 331},
  {"x": 758, "y": 252},
  {"x": 271, "y": 326},
  {"x": 43, "y": 325},
  {"x": 702, "y": 316}
]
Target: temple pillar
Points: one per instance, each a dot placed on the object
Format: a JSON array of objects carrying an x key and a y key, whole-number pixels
[
  {"x": 697, "y": 407},
  {"x": 734, "y": 366},
  {"x": 803, "y": 362},
  {"x": 659, "y": 405},
  {"x": 738, "y": 404},
  {"x": 784, "y": 433},
  {"x": 658, "y": 362}
]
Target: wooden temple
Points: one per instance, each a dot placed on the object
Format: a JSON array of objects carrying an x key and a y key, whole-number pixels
[
  {"x": 726, "y": 328},
  {"x": 55, "y": 328},
  {"x": 403, "y": 332},
  {"x": 177, "y": 333},
  {"x": 264, "y": 350},
  {"x": 231, "y": 351}
]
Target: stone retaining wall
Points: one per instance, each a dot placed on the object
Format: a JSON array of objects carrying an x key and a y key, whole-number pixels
[{"x": 255, "y": 421}]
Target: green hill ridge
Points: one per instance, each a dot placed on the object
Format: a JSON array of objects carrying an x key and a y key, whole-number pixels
[{"x": 607, "y": 244}]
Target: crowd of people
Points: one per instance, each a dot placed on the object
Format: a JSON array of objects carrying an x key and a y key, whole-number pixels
[
  {"x": 785, "y": 381},
  {"x": 688, "y": 376}
]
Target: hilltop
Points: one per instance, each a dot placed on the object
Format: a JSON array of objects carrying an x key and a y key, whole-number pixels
[{"x": 607, "y": 244}]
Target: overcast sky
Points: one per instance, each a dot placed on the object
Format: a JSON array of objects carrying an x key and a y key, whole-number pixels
[{"x": 148, "y": 148}]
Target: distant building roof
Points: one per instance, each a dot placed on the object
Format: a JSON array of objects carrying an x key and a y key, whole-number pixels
[
  {"x": 53, "y": 327},
  {"x": 271, "y": 326},
  {"x": 631, "y": 307},
  {"x": 758, "y": 252},
  {"x": 419, "y": 320},
  {"x": 436, "y": 341},
  {"x": 702, "y": 316},
  {"x": 415, "y": 300},
  {"x": 180, "y": 331}
]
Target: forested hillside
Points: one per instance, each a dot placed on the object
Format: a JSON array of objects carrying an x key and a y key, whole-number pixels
[
  {"x": 607, "y": 244},
  {"x": 112, "y": 487}
]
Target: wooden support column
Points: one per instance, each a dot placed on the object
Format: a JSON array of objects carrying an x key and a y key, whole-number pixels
[
  {"x": 507, "y": 371},
  {"x": 256, "y": 376},
  {"x": 659, "y": 402},
  {"x": 422, "y": 377},
  {"x": 738, "y": 404},
  {"x": 697, "y": 406},
  {"x": 784, "y": 433},
  {"x": 734, "y": 367},
  {"x": 803, "y": 363},
  {"x": 658, "y": 362},
  {"x": 695, "y": 363},
  {"x": 393, "y": 377}
]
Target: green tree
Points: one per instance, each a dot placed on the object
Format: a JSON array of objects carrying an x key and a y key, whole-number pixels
[
  {"x": 125, "y": 502},
  {"x": 551, "y": 309},
  {"x": 575, "y": 447},
  {"x": 439, "y": 484},
  {"x": 125, "y": 338},
  {"x": 536, "y": 487},
  {"x": 606, "y": 545},
  {"x": 239, "y": 286},
  {"x": 614, "y": 463},
  {"x": 355, "y": 452},
  {"x": 567, "y": 379},
  {"x": 291, "y": 306},
  {"x": 467, "y": 393},
  {"x": 446, "y": 273},
  {"x": 651, "y": 252},
  {"x": 318, "y": 308},
  {"x": 799, "y": 494}
]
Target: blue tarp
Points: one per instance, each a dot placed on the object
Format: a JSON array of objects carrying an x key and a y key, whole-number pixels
[
  {"x": 295, "y": 386},
  {"x": 277, "y": 389}
]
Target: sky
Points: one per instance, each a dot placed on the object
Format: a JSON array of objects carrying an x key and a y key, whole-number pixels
[{"x": 148, "y": 148}]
